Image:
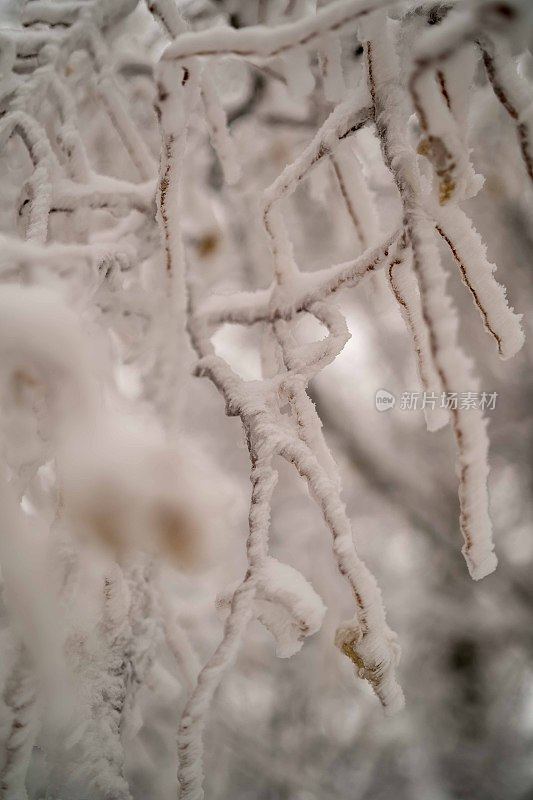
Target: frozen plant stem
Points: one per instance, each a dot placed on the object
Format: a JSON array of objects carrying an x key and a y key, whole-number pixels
[{"x": 439, "y": 318}]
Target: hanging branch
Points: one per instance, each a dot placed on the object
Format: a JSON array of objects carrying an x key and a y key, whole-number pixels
[
  {"x": 404, "y": 287},
  {"x": 442, "y": 143},
  {"x": 512, "y": 91},
  {"x": 489, "y": 297},
  {"x": 449, "y": 362}
]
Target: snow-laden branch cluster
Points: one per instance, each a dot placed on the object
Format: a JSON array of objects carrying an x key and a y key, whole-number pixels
[
  {"x": 123, "y": 270},
  {"x": 420, "y": 291}
]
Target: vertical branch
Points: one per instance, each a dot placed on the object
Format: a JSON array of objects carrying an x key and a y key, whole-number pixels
[
  {"x": 430, "y": 94},
  {"x": 367, "y": 640},
  {"x": 107, "y": 760},
  {"x": 489, "y": 297},
  {"x": 330, "y": 59},
  {"x": 449, "y": 361},
  {"x": 121, "y": 120},
  {"x": 38, "y": 146},
  {"x": 348, "y": 202},
  {"x": 356, "y": 195},
  {"x": 20, "y": 699},
  {"x": 170, "y": 19},
  {"x": 192, "y": 723},
  {"x": 217, "y": 124},
  {"x": 178, "y": 93},
  {"x": 68, "y": 136},
  {"x": 512, "y": 91},
  {"x": 405, "y": 290}
]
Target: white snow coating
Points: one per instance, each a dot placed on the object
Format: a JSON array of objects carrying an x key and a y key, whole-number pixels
[{"x": 285, "y": 603}]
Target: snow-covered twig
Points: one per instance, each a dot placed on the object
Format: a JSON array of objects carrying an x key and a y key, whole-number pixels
[
  {"x": 405, "y": 290},
  {"x": 487, "y": 25},
  {"x": 489, "y": 297},
  {"x": 261, "y": 42},
  {"x": 512, "y": 92},
  {"x": 448, "y": 361}
]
